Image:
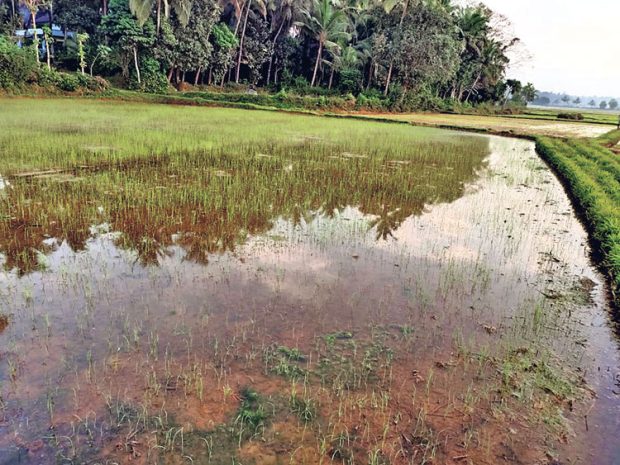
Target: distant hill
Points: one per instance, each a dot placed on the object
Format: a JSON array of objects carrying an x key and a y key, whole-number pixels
[{"x": 555, "y": 99}]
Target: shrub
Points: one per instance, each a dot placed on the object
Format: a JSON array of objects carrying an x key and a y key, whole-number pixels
[
  {"x": 68, "y": 82},
  {"x": 350, "y": 80},
  {"x": 98, "y": 84},
  {"x": 16, "y": 64},
  {"x": 46, "y": 77},
  {"x": 571, "y": 116},
  {"x": 421, "y": 99},
  {"x": 153, "y": 80},
  {"x": 372, "y": 100}
]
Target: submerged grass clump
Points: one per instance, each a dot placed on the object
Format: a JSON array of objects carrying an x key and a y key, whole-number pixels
[{"x": 251, "y": 416}]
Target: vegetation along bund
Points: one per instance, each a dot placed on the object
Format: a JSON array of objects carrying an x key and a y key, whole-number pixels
[{"x": 301, "y": 232}]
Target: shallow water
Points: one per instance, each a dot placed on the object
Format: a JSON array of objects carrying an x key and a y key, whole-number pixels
[{"x": 171, "y": 313}]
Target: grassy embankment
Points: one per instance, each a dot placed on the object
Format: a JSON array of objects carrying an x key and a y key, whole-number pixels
[
  {"x": 591, "y": 171},
  {"x": 589, "y": 115}
]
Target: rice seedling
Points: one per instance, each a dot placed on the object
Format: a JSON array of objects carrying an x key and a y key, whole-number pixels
[{"x": 374, "y": 283}]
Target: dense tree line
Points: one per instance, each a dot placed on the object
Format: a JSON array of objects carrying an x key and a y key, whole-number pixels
[{"x": 414, "y": 52}]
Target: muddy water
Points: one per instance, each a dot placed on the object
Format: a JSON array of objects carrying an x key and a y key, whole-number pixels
[{"x": 115, "y": 351}]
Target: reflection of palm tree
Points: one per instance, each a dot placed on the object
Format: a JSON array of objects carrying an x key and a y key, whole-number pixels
[
  {"x": 388, "y": 222},
  {"x": 148, "y": 250},
  {"x": 333, "y": 206},
  {"x": 300, "y": 214},
  {"x": 208, "y": 218}
]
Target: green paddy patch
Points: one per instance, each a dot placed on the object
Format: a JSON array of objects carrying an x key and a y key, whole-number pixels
[
  {"x": 591, "y": 170},
  {"x": 205, "y": 176}
]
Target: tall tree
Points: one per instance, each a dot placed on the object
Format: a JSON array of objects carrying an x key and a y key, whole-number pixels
[
  {"x": 282, "y": 15},
  {"x": 327, "y": 24},
  {"x": 33, "y": 7},
  {"x": 224, "y": 43},
  {"x": 429, "y": 53},
  {"x": 128, "y": 35},
  {"x": 193, "y": 46},
  {"x": 389, "y": 6},
  {"x": 260, "y": 5}
]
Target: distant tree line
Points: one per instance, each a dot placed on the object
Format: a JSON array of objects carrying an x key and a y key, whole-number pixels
[
  {"x": 415, "y": 52},
  {"x": 554, "y": 99}
]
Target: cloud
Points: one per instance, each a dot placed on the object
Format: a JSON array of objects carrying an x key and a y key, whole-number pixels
[{"x": 574, "y": 45}]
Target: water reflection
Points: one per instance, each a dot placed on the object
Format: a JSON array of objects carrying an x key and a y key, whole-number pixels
[
  {"x": 415, "y": 263},
  {"x": 212, "y": 204}
]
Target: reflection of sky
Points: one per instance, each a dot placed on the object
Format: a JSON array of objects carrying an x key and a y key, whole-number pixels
[
  {"x": 332, "y": 272},
  {"x": 508, "y": 225},
  {"x": 511, "y": 230}
]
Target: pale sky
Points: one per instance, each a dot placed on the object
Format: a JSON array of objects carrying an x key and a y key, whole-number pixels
[{"x": 574, "y": 45}]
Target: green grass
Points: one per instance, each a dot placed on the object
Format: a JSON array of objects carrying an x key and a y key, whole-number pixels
[{"x": 591, "y": 171}]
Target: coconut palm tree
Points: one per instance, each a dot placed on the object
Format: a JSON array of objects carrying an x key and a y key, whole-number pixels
[
  {"x": 484, "y": 58},
  {"x": 327, "y": 24},
  {"x": 142, "y": 9},
  {"x": 33, "y": 7},
  {"x": 262, "y": 8},
  {"x": 283, "y": 14}
]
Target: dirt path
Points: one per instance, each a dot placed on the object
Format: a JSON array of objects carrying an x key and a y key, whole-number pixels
[{"x": 499, "y": 124}]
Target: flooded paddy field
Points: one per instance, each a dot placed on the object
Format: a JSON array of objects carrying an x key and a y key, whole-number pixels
[{"x": 211, "y": 286}]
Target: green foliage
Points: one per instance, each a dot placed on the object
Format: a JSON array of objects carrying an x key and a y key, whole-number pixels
[
  {"x": 224, "y": 43},
  {"x": 17, "y": 66},
  {"x": 128, "y": 38},
  {"x": 429, "y": 55},
  {"x": 224, "y": 38},
  {"x": 77, "y": 15},
  {"x": 350, "y": 80},
  {"x": 192, "y": 49},
  {"x": 292, "y": 354},
  {"x": 81, "y": 41},
  {"x": 372, "y": 100},
  {"x": 303, "y": 407},
  {"x": 52, "y": 79},
  {"x": 154, "y": 81},
  {"x": 251, "y": 416},
  {"x": 280, "y": 100},
  {"x": 67, "y": 82},
  {"x": 423, "y": 99},
  {"x": 527, "y": 377},
  {"x": 571, "y": 116},
  {"x": 6, "y": 25},
  {"x": 326, "y": 23},
  {"x": 284, "y": 362}
]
